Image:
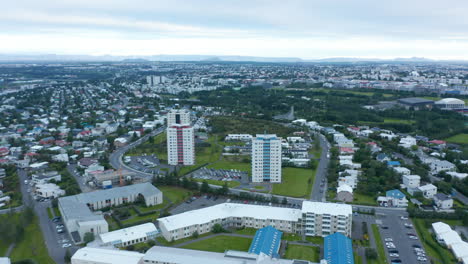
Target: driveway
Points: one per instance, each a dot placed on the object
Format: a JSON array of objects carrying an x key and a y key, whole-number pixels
[{"x": 319, "y": 193}]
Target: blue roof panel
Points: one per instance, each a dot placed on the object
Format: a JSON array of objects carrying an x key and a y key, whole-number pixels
[
  {"x": 267, "y": 241},
  {"x": 338, "y": 249}
]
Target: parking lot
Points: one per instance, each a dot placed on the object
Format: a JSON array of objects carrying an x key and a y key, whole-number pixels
[
  {"x": 197, "y": 203},
  {"x": 221, "y": 175},
  {"x": 146, "y": 163},
  {"x": 400, "y": 240}
]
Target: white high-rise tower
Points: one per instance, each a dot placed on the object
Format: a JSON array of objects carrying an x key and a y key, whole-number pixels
[{"x": 266, "y": 158}]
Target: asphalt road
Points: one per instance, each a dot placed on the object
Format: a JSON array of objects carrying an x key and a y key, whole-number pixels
[
  {"x": 398, "y": 232},
  {"x": 115, "y": 159},
  {"x": 51, "y": 237},
  {"x": 319, "y": 192},
  {"x": 80, "y": 179}
]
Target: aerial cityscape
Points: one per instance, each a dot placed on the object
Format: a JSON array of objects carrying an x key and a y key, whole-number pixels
[{"x": 238, "y": 133}]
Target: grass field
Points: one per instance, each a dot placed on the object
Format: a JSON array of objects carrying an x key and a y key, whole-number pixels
[
  {"x": 166, "y": 243},
  {"x": 436, "y": 252},
  {"x": 32, "y": 245},
  {"x": 303, "y": 253},
  {"x": 49, "y": 213},
  {"x": 398, "y": 121},
  {"x": 232, "y": 163},
  {"x": 351, "y": 92},
  {"x": 221, "y": 244},
  {"x": 175, "y": 194},
  {"x": 458, "y": 139},
  {"x": 135, "y": 218},
  {"x": 363, "y": 199},
  {"x": 380, "y": 247},
  {"x": 231, "y": 184},
  {"x": 296, "y": 182}
]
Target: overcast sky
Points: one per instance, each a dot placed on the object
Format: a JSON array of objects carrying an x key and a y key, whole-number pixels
[{"x": 275, "y": 28}]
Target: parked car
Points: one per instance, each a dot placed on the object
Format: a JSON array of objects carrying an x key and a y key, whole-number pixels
[{"x": 66, "y": 245}]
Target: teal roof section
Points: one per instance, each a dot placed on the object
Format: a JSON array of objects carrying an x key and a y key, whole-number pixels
[
  {"x": 338, "y": 249},
  {"x": 267, "y": 241}
]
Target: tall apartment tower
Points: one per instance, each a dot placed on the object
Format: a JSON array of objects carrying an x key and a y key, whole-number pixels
[
  {"x": 266, "y": 158},
  {"x": 178, "y": 116},
  {"x": 180, "y": 138}
]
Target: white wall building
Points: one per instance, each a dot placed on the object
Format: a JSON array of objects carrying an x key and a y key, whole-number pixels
[
  {"x": 411, "y": 181},
  {"x": 78, "y": 210},
  {"x": 180, "y": 145},
  {"x": 266, "y": 158},
  {"x": 314, "y": 219},
  {"x": 238, "y": 137},
  {"x": 178, "y": 116},
  {"x": 428, "y": 190},
  {"x": 128, "y": 236},
  {"x": 49, "y": 190},
  {"x": 89, "y": 255},
  {"x": 180, "y": 138}
]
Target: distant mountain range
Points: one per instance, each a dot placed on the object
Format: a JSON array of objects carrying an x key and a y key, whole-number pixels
[{"x": 200, "y": 58}]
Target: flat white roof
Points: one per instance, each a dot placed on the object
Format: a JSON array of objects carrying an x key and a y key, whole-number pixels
[
  {"x": 451, "y": 237},
  {"x": 128, "y": 234},
  {"x": 327, "y": 208},
  {"x": 225, "y": 210},
  {"x": 187, "y": 256},
  {"x": 441, "y": 228},
  {"x": 460, "y": 250},
  {"x": 110, "y": 256}
]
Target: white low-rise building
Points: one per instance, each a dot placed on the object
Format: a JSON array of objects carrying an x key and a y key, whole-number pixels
[
  {"x": 78, "y": 211},
  {"x": 402, "y": 170},
  {"x": 89, "y": 255},
  {"x": 314, "y": 219},
  {"x": 437, "y": 166},
  {"x": 129, "y": 236},
  {"x": 443, "y": 201},
  {"x": 411, "y": 181},
  {"x": 238, "y": 137},
  {"x": 49, "y": 190},
  {"x": 428, "y": 190},
  {"x": 407, "y": 142}
]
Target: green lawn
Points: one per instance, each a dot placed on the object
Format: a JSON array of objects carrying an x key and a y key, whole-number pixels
[
  {"x": 434, "y": 250},
  {"x": 204, "y": 155},
  {"x": 296, "y": 182},
  {"x": 232, "y": 163},
  {"x": 458, "y": 139},
  {"x": 57, "y": 211},
  {"x": 316, "y": 240},
  {"x": 221, "y": 244},
  {"x": 303, "y": 253},
  {"x": 246, "y": 231},
  {"x": 357, "y": 259},
  {"x": 49, "y": 213},
  {"x": 135, "y": 218},
  {"x": 231, "y": 184},
  {"x": 166, "y": 243},
  {"x": 32, "y": 245},
  {"x": 380, "y": 247},
  {"x": 3, "y": 248},
  {"x": 398, "y": 121},
  {"x": 364, "y": 199},
  {"x": 175, "y": 194}
]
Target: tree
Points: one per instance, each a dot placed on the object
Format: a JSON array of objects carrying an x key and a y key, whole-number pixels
[
  {"x": 195, "y": 234},
  {"x": 285, "y": 201},
  {"x": 217, "y": 228},
  {"x": 224, "y": 189},
  {"x": 371, "y": 253},
  {"x": 88, "y": 237},
  {"x": 205, "y": 188},
  {"x": 67, "y": 256}
]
